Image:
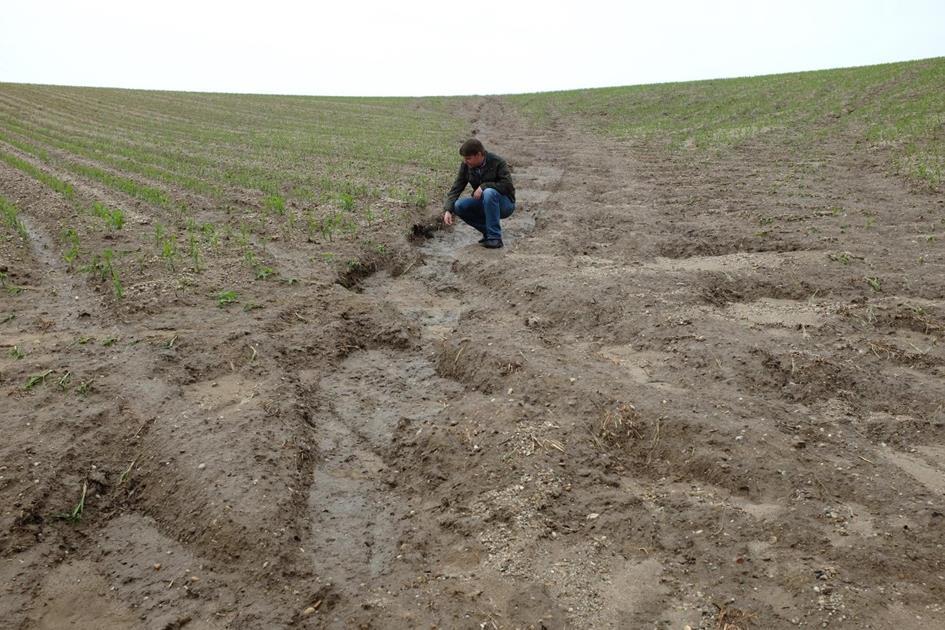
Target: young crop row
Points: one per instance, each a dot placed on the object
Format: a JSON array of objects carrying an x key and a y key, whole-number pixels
[
  {"x": 11, "y": 218},
  {"x": 223, "y": 176},
  {"x": 309, "y": 189},
  {"x": 309, "y": 145},
  {"x": 897, "y": 106},
  {"x": 53, "y": 182}
]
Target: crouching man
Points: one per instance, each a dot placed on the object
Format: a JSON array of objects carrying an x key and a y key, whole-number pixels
[{"x": 493, "y": 196}]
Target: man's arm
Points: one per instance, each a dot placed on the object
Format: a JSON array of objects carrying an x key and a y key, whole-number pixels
[
  {"x": 459, "y": 184},
  {"x": 503, "y": 182}
]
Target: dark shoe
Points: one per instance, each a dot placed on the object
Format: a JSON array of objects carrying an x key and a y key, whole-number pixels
[
  {"x": 482, "y": 240},
  {"x": 492, "y": 243}
]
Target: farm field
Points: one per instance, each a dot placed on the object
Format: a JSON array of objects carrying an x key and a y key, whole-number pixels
[{"x": 250, "y": 381}]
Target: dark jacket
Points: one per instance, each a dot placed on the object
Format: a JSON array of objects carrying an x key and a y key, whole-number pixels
[{"x": 494, "y": 173}]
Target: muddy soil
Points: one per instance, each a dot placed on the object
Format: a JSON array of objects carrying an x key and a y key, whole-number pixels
[{"x": 691, "y": 390}]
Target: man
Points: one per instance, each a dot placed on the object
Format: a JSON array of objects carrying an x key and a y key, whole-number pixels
[{"x": 493, "y": 195}]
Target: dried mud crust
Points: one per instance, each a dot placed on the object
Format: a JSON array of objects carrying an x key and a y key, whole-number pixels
[{"x": 668, "y": 401}]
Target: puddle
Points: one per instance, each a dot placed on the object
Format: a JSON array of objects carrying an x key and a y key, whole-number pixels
[{"x": 61, "y": 284}]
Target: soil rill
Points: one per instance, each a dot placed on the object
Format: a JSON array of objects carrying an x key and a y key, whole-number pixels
[{"x": 700, "y": 386}]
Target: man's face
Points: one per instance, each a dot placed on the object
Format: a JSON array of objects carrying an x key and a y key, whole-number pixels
[{"x": 475, "y": 160}]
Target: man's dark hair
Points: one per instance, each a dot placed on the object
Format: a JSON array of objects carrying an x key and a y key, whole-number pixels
[{"x": 471, "y": 147}]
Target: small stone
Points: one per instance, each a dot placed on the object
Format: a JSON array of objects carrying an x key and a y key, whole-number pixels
[
  {"x": 592, "y": 516},
  {"x": 201, "y": 466},
  {"x": 309, "y": 611},
  {"x": 157, "y": 566}
]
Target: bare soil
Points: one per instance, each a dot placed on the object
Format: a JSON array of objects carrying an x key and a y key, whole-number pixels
[{"x": 693, "y": 390}]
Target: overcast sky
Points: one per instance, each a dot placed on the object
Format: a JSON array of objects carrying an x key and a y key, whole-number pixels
[{"x": 422, "y": 47}]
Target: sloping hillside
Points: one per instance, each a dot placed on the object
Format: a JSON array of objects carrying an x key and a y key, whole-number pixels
[{"x": 251, "y": 382}]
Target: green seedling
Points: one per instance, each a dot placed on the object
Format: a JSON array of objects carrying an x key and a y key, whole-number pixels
[
  {"x": 275, "y": 203},
  {"x": 84, "y": 388},
  {"x": 16, "y": 353},
  {"x": 210, "y": 234},
  {"x": 250, "y": 306},
  {"x": 195, "y": 251},
  {"x": 12, "y": 289},
  {"x": 114, "y": 218},
  {"x": 242, "y": 237},
  {"x": 226, "y": 298},
  {"x": 103, "y": 265},
  {"x": 167, "y": 245},
  {"x": 346, "y": 201},
  {"x": 870, "y": 222},
  {"x": 10, "y": 216},
  {"x": 874, "y": 283},
  {"x": 63, "y": 381},
  {"x": 71, "y": 237},
  {"x": 334, "y": 223},
  {"x": 109, "y": 341},
  {"x": 841, "y": 257},
  {"x": 9, "y": 317},
  {"x": 124, "y": 475},
  {"x": 76, "y": 514},
  {"x": 263, "y": 272},
  {"x": 36, "y": 379},
  {"x": 420, "y": 199},
  {"x": 169, "y": 251},
  {"x": 250, "y": 258}
]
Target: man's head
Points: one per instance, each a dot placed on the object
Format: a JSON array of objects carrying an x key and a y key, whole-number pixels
[{"x": 474, "y": 154}]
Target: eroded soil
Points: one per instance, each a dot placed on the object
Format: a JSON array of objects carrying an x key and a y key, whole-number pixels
[{"x": 690, "y": 390}]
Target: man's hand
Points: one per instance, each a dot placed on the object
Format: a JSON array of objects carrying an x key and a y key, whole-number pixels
[
  {"x": 448, "y": 218},
  {"x": 477, "y": 194}
]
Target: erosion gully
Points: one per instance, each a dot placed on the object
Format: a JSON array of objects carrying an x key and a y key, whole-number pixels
[{"x": 377, "y": 392}]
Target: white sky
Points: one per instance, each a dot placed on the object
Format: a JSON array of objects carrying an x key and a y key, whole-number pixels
[{"x": 422, "y": 47}]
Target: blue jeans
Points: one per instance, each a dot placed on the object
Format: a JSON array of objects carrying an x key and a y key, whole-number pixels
[{"x": 484, "y": 214}]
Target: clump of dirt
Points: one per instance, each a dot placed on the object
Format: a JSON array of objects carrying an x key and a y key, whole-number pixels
[{"x": 720, "y": 288}]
